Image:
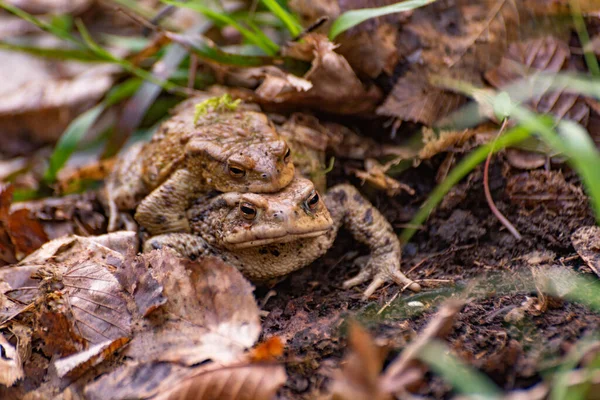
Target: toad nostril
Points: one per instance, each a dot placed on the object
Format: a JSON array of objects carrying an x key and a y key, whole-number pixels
[{"x": 265, "y": 176}]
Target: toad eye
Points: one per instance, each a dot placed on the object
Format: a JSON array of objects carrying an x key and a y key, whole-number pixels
[
  {"x": 248, "y": 211},
  {"x": 235, "y": 171},
  {"x": 287, "y": 156},
  {"x": 313, "y": 201}
]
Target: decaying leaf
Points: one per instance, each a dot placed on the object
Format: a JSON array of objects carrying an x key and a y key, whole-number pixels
[
  {"x": 11, "y": 368},
  {"x": 210, "y": 314},
  {"x": 79, "y": 214},
  {"x": 546, "y": 54},
  {"x": 437, "y": 143},
  {"x": 415, "y": 99},
  {"x": 334, "y": 85},
  {"x": 20, "y": 234},
  {"x": 78, "y": 363},
  {"x": 360, "y": 377},
  {"x": 254, "y": 381},
  {"x": 586, "y": 241},
  {"x": 52, "y": 6},
  {"x": 360, "y": 374},
  {"x": 375, "y": 175},
  {"x": 135, "y": 277}
]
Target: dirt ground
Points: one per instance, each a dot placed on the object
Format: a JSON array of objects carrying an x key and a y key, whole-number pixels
[{"x": 462, "y": 249}]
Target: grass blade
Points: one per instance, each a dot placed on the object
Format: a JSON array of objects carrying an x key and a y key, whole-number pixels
[
  {"x": 52, "y": 52},
  {"x": 69, "y": 140},
  {"x": 352, "y": 18},
  {"x": 76, "y": 130},
  {"x": 289, "y": 20},
  {"x": 262, "y": 41}
]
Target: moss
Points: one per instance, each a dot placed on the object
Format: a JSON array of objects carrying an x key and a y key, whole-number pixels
[{"x": 217, "y": 104}]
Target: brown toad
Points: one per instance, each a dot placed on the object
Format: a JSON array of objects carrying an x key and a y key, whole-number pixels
[
  {"x": 228, "y": 147},
  {"x": 270, "y": 235}
]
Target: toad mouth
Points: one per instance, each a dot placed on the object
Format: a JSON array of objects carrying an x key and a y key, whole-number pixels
[{"x": 284, "y": 238}]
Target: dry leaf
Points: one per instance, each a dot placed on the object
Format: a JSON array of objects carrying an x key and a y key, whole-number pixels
[
  {"x": 78, "y": 363},
  {"x": 25, "y": 233},
  {"x": 52, "y": 6},
  {"x": 415, "y": 99},
  {"x": 586, "y": 241},
  {"x": 268, "y": 350},
  {"x": 375, "y": 175},
  {"x": 243, "y": 382},
  {"x": 11, "y": 368},
  {"x": 210, "y": 314},
  {"x": 335, "y": 86},
  {"x": 135, "y": 276},
  {"x": 360, "y": 375},
  {"x": 547, "y": 54}
]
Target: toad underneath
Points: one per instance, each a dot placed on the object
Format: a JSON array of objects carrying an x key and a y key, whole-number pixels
[{"x": 269, "y": 235}]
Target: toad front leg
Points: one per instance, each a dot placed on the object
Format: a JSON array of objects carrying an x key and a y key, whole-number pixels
[
  {"x": 164, "y": 210},
  {"x": 367, "y": 225}
]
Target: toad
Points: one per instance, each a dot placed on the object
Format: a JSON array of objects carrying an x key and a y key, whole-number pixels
[
  {"x": 217, "y": 144},
  {"x": 270, "y": 235}
]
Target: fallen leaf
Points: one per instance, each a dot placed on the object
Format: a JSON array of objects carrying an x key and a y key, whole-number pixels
[
  {"x": 210, "y": 313},
  {"x": 78, "y": 363},
  {"x": 252, "y": 382},
  {"x": 375, "y": 175},
  {"x": 11, "y": 368},
  {"x": 268, "y": 350},
  {"x": 546, "y": 54},
  {"x": 586, "y": 241},
  {"x": 52, "y": 6},
  {"x": 413, "y": 98}
]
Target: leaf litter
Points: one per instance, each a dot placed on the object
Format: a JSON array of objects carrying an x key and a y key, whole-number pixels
[{"x": 156, "y": 326}]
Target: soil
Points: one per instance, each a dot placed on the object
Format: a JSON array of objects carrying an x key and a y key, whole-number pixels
[{"x": 462, "y": 249}]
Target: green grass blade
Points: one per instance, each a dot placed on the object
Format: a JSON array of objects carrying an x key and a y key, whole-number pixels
[
  {"x": 289, "y": 20},
  {"x": 584, "y": 38},
  {"x": 262, "y": 41},
  {"x": 69, "y": 140},
  {"x": 462, "y": 377},
  {"x": 467, "y": 164},
  {"x": 53, "y": 29},
  {"x": 352, "y": 18},
  {"x": 52, "y": 52}
]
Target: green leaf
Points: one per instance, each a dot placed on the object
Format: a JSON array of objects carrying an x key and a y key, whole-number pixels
[
  {"x": 352, "y": 18},
  {"x": 289, "y": 20},
  {"x": 261, "y": 40},
  {"x": 70, "y": 139}
]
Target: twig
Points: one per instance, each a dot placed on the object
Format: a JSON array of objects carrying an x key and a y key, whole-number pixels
[{"x": 488, "y": 194}]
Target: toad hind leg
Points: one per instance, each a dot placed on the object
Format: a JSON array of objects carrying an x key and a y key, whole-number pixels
[
  {"x": 184, "y": 244},
  {"x": 164, "y": 210},
  {"x": 367, "y": 225}
]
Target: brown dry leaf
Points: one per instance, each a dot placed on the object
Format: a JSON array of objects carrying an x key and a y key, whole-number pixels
[
  {"x": 335, "y": 86},
  {"x": 268, "y": 350},
  {"x": 548, "y": 188},
  {"x": 437, "y": 143},
  {"x": 135, "y": 277},
  {"x": 413, "y": 98},
  {"x": 78, "y": 363},
  {"x": 523, "y": 159},
  {"x": 547, "y": 54},
  {"x": 586, "y": 241},
  {"x": 79, "y": 214},
  {"x": 52, "y": 6},
  {"x": 25, "y": 233},
  {"x": 136, "y": 381},
  {"x": 40, "y": 100},
  {"x": 375, "y": 175},
  {"x": 360, "y": 371},
  {"x": 11, "y": 368},
  {"x": 235, "y": 382},
  {"x": 210, "y": 314}
]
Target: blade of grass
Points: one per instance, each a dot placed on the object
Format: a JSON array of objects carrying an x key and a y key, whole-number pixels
[
  {"x": 52, "y": 52},
  {"x": 466, "y": 165},
  {"x": 462, "y": 377},
  {"x": 76, "y": 130},
  {"x": 584, "y": 38},
  {"x": 352, "y": 18},
  {"x": 289, "y": 20},
  {"x": 53, "y": 29},
  {"x": 262, "y": 41}
]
